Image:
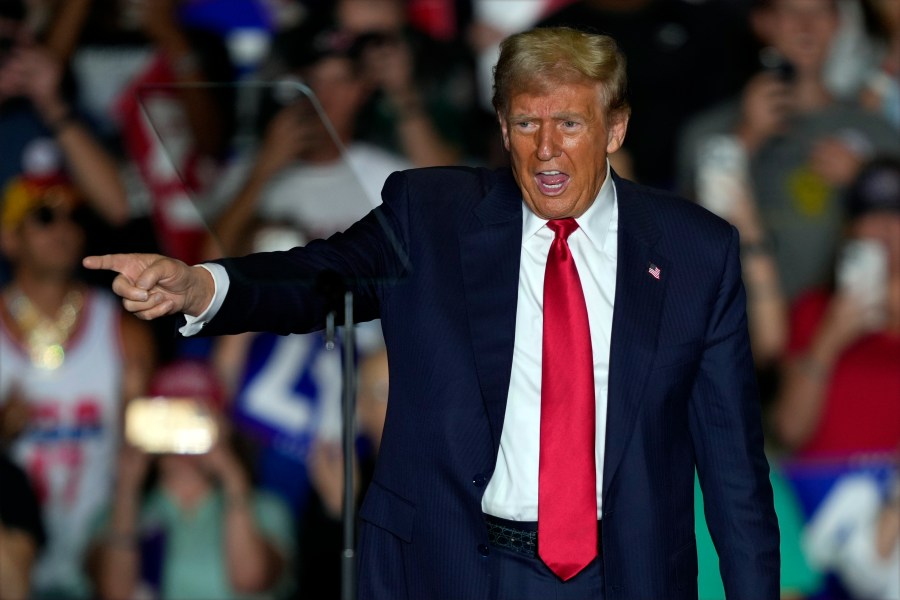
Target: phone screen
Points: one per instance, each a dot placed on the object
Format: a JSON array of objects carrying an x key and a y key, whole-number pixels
[
  {"x": 862, "y": 271},
  {"x": 166, "y": 425}
]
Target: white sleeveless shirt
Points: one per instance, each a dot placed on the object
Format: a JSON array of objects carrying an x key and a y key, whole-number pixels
[{"x": 70, "y": 447}]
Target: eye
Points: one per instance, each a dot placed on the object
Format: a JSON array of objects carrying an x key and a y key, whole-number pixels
[{"x": 570, "y": 124}]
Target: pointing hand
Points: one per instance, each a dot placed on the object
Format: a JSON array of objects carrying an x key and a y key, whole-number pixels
[{"x": 153, "y": 286}]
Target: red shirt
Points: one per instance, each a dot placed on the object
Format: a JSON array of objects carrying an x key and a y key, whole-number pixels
[{"x": 861, "y": 412}]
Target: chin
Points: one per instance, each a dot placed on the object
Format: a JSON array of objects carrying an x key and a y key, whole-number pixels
[{"x": 550, "y": 207}]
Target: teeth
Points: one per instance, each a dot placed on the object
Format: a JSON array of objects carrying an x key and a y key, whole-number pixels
[{"x": 550, "y": 172}]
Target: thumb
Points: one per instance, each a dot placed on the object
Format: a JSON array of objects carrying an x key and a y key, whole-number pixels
[{"x": 154, "y": 272}]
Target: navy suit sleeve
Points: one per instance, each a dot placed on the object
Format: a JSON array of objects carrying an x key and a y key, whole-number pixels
[
  {"x": 281, "y": 292},
  {"x": 726, "y": 431}
]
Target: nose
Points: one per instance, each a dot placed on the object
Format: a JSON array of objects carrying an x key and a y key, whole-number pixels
[{"x": 547, "y": 144}]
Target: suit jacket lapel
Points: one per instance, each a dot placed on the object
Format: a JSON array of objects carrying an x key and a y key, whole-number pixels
[
  {"x": 490, "y": 251},
  {"x": 636, "y": 316}
]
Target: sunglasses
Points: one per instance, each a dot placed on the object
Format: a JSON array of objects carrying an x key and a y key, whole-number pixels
[{"x": 45, "y": 216}]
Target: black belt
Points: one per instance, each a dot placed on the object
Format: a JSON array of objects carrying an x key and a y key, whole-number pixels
[{"x": 519, "y": 536}]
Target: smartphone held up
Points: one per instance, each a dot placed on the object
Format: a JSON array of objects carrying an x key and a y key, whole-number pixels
[
  {"x": 165, "y": 425},
  {"x": 862, "y": 272},
  {"x": 179, "y": 414}
]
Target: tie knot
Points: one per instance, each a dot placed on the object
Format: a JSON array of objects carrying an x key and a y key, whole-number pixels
[{"x": 563, "y": 228}]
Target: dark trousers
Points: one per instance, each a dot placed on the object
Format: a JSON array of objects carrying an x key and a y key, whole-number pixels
[{"x": 522, "y": 577}]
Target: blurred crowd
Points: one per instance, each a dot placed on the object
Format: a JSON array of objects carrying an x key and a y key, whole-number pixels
[{"x": 137, "y": 464}]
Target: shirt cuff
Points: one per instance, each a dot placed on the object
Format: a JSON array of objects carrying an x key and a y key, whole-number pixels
[{"x": 193, "y": 325}]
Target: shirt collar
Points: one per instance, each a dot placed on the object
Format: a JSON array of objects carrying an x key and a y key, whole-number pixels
[{"x": 595, "y": 220}]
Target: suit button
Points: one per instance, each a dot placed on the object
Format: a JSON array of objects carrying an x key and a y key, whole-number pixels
[
  {"x": 479, "y": 480},
  {"x": 483, "y": 549}
]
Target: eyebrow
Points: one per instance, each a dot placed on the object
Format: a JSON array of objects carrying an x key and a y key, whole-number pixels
[{"x": 561, "y": 116}]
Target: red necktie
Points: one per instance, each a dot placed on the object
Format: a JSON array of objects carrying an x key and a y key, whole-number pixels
[{"x": 567, "y": 488}]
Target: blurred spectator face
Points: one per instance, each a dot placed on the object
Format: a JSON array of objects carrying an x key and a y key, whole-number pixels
[
  {"x": 13, "y": 33},
  {"x": 51, "y": 238},
  {"x": 366, "y": 16},
  {"x": 8, "y": 32},
  {"x": 47, "y": 239},
  {"x": 888, "y": 12},
  {"x": 801, "y": 30},
  {"x": 12, "y": 19},
  {"x": 181, "y": 465},
  {"x": 338, "y": 87}
]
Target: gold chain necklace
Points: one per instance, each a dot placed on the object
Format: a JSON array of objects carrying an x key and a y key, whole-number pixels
[{"x": 45, "y": 337}]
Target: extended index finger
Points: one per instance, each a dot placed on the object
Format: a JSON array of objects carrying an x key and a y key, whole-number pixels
[{"x": 108, "y": 262}]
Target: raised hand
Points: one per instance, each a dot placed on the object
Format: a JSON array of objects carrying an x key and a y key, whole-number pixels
[
  {"x": 32, "y": 72},
  {"x": 389, "y": 65},
  {"x": 131, "y": 470},
  {"x": 15, "y": 413},
  {"x": 325, "y": 465},
  {"x": 153, "y": 286},
  {"x": 294, "y": 132},
  {"x": 836, "y": 160},
  {"x": 765, "y": 106},
  {"x": 222, "y": 464}
]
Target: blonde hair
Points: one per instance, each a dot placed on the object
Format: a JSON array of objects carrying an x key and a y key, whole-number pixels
[{"x": 542, "y": 58}]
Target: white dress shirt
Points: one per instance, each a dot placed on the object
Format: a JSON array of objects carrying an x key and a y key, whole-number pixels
[
  {"x": 512, "y": 492},
  {"x": 222, "y": 282}
]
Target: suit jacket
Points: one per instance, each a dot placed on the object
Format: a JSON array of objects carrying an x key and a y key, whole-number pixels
[{"x": 438, "y": 262}]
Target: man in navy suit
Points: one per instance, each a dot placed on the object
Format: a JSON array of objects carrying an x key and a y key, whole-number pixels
[{"x": 453, "y": 263}]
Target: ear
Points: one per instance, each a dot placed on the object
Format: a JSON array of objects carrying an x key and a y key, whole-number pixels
[
  {"x": 504, "y": 130},
  {"x": 618, "y": 126}
]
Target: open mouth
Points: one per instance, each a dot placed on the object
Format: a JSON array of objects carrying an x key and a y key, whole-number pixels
[{"x": 551, "y": 183}]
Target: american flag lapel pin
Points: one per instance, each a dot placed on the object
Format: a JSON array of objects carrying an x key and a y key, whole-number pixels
[{"x": 654, "y": 271}]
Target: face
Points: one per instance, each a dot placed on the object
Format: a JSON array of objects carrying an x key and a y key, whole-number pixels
[
  {"x": 340, "y": 91},
  {"x": 176, "y": 465},
  {"x": 12, "y": 34},
  {"x": 8, "y": 34},
  {"x": 48, "y": 241},
  {"x": 802, "y": 30},
  {"x": 888, "y": 12},
  {"x": 371, "y": 15},
  {"x": 558, "y": 142}
]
